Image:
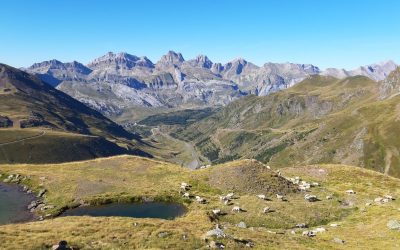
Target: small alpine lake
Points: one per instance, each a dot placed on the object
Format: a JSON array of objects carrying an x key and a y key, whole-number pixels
[
  {"x": 160, "y": 210},
  {"x": 13, "y": 204}
]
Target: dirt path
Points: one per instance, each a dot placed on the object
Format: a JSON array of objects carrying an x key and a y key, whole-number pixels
[
  {"x": 42, "y": 133},
  {"x": 186, "y": 146}
]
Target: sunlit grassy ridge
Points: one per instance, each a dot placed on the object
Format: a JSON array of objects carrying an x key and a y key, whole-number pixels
[{"x": 128, "y": 178}]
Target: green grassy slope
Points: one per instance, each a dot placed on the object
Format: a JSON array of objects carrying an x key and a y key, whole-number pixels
[
  {"x": 320, "y": 120},
  {"x": 46, "y": 146},
  {"x": 29, "y": 103}
]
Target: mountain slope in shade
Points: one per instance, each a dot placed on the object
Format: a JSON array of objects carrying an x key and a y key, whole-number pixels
[
  {"x": 29, "y": 103},
  {"x": 320, "y": 120}
]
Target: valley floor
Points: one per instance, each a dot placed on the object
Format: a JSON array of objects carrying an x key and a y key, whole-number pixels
[{"x": 130, "y": 178}]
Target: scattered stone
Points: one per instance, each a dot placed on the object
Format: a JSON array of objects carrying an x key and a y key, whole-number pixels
[
  {"x": 241, "y": 225},
  {"x": 217, "y": 232},
  {"x": 350, "y": 191},
  {"x": 311, "y": 198},
  {"x": 200, "y": 200},
  {"x": 337, "y": 240},
  {"x": 329, "y": 197},
  {"x": 236, "y": 209},
  {"x": 347, "y": 203},
  {"x": 301, "y": 225},
  {"x": 393, "y": 225},
  {"x": 62, "y": 245},
  {"x": 230, "y": 195},
  {"x": 163, "y": 234},
  {"x": 279, "y": 197},
  {"x": 389, "y": 197},
  {"x": 43, "y": 208},
  {"x": 185, "y": 186},
  {"x": 334, "y": 225},
  {"x": 309, "y": 233},
  {"x": 368, "y": 204},
  {"x": 216, "y": 211},
  {"x": 216, "y": 245},
  {"x": 41, "y": 192},
  {"x": 262, "y": 196},
  {"x": 320, "y": 230},
  {"x": 267, "y": 210}
]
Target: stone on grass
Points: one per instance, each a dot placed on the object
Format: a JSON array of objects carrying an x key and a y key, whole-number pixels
[
  {"x": 393, "y": 225},
  {"x": 241, "y": 225},
  {"x": 337, "y": 240},
  {"x": 163, "y": 234},
  {"x": 217, "y": 232}
]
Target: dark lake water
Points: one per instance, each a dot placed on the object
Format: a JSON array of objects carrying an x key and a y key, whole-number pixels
[
  {"x": 13, "y": 203},
  {"x": 162, "y": 210}
]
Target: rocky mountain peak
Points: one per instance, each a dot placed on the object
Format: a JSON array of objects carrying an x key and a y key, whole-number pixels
[
  {"x": 203, "y": 61},
  {"x": 51, "y": 63},
  {"x": 171, "y": 58},
  {"x": 120, "y": 60},
  {"x": 237, "y": 66}
]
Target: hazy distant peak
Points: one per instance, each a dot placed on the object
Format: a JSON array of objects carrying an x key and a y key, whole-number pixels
[
  {"x": 377, "y": 71},
  {"x": 171, "y": 58},
  {"x": 48, "y": 63},
  {"x": 120, "y": 60},
  {"x": 201, "y": 61}
]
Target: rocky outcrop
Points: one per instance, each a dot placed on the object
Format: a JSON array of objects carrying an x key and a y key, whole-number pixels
[{"x": 391, "y": 85}]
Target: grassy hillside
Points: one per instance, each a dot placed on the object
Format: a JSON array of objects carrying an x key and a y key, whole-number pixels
[
  {"x": 46, "y": 146},
  {"x": 129, "y": 178},
  {"x": 320, "y": 120},
  {"x": 26, "y": 102}
]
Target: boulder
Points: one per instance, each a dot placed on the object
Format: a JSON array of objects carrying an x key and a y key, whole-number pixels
[
  {"x": 241, "y": 225},
  {"x": 219, "y": 233},
  {"x": 393, "y": 225},
  {"x": 337, "y": 240},
  {"x": 62, "y": 245}
]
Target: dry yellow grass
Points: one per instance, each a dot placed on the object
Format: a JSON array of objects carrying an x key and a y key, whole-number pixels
[{"x": 127, "y": 177}]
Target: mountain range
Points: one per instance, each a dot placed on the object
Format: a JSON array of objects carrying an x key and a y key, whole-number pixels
[{"x": 117, "y": 83}]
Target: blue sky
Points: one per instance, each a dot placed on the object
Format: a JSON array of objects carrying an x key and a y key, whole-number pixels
[{"x": 326, "y": 33}]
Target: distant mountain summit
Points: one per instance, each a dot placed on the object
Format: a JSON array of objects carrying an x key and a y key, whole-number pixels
[
  {"x": 121, "y": 60},
  {"x": 117, "y": 82},
  {"x": 376, "y": 72}
]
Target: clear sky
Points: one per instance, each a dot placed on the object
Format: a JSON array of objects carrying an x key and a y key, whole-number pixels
[{"x": 326, "y": 33}]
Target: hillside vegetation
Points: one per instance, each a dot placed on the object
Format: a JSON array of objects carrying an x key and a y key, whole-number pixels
[
  {"x": 320, "y": 120},
  {"x": 130, "y": 178},
  {"x": 29, "y": 106}
]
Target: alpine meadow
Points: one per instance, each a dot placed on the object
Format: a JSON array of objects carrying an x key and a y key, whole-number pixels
[{"x": 199, "y": 125}]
